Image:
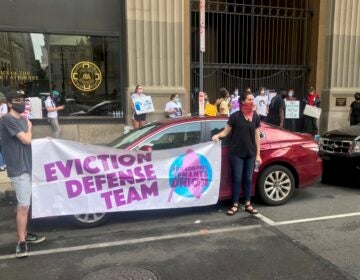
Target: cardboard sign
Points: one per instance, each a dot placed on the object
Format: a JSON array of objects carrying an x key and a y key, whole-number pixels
[
  {"x": 312, "y": 111},
  {"x": 143, "y": 105}
]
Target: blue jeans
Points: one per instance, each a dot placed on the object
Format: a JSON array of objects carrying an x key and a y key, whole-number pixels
[
  {"x": 241, "y": 168},
  {"x": 2, "y": 161}
]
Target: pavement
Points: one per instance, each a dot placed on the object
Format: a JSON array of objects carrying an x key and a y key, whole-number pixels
[{"x": 6, "y": 191}]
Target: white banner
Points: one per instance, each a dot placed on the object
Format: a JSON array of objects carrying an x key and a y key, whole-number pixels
[
  {"x": 143, "y": 104},
  {"x": 73, "y": 178}
]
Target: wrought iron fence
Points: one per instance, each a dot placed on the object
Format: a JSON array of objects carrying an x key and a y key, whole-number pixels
[{"x": 252, "y": 43}]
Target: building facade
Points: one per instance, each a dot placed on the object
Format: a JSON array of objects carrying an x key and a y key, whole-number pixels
[{"x": 96, "y": 52}]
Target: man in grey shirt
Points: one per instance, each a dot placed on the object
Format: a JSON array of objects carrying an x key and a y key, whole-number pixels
[{"x": 16, "y": 135}]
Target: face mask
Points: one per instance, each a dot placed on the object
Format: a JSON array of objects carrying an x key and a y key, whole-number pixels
[
  {"x": 247, "y": 107},
  {"x": 236, "y": 92},
  {"x": 262, "y": 92},
  {"x": 18, "y": 107},
  {"x": 176, "y": 99},
  {"x": 291, "y": 93}
]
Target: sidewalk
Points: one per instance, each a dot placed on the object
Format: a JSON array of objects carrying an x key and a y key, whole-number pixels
[{"x": 6, "y": 191}]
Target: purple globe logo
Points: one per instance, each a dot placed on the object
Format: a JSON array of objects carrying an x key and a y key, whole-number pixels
[{"x": 190, "y": 175}]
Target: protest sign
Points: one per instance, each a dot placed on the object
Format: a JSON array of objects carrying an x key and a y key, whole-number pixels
[
  {"x": 74, "y": 178},
  {"x": 143, "y": 104},
  {"x": 312, "y": 111},
  {"x": 292, "y": 110}
]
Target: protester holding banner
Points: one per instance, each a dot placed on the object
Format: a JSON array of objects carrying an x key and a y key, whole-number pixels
[
  {"x": 138, "y": 120},
  {"x": 173, "y": 108},
  {"x": 243, "y": 126},
  {"x": 291, "y": 119},
  {"x": 16, "y": 135},
  {"x": 310, "y": 123}
]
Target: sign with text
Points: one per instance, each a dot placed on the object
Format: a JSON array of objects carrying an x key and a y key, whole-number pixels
[
  {"x": 143, "y": 104},
  {"x": 292, "y": 109},
  {"x": 74, "y": 178},
  {"x": 312, "y": 111}
]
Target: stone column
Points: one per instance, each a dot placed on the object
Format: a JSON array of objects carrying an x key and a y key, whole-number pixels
[
  {"x": 342, "y": 62},
  {"x": 157, "y": 50}
]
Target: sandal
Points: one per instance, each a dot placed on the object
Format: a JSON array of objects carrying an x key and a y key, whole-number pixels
[
  {"x": 233, "y": 209},
  {"x": 251, "y": 209}
]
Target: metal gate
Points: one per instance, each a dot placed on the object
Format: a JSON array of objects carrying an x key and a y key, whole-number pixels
[{"x": 251, "y": 43}]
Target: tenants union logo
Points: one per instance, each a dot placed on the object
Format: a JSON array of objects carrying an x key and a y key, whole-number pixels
[
  {"x": 190, "y": 175},
  {"x": 86, "y": 76}
]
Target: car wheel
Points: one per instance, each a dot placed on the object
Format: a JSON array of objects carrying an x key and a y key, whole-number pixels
[
  {"x": 276, "y": 184},
  {"x": 90, "y": 220}
]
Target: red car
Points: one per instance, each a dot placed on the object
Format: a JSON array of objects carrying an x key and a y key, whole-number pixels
[{"x": 289, "y": 160}]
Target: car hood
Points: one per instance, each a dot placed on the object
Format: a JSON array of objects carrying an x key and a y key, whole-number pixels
[{"x": 349, "y": 131}]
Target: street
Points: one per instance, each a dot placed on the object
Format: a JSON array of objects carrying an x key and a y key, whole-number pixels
[{"x": 314, "y": 236}]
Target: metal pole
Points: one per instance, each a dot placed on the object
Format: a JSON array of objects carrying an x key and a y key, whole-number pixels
[{"x": 202, "y": 43}]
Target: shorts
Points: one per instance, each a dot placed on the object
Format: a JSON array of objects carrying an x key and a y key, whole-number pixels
[
  {"x": 140, "y": 117},
  {"x": 22, "y": 186}
]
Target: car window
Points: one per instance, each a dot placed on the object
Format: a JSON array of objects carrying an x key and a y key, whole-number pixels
[
  {"x": 106, "y": 109},
  {"x": 215, "y": 127},
  {"x": 125, "y": 140},
  {"x": 176, "y": 136}
]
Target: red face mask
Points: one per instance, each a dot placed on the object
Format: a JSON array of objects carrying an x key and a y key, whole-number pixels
[{"x": 247, "y": 109}]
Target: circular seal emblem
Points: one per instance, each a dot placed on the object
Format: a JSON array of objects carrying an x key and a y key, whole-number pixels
[
  {"x": 190, "y": 175},
  {"x": 86, "y": 76}
]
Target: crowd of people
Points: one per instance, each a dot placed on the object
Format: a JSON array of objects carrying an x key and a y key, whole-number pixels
[
  {"x": 244, "y": 112},
  {"x": 271, "y": 106}
]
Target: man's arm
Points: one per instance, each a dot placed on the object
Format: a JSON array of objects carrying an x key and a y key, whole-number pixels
[{"x": 25, "y": 137}]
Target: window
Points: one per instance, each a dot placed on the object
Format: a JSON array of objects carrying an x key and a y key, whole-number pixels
[
  {"x": 175, "y": 137},
  {"x": 85, "y": 70},
  {"x": 214, "y": 127}
]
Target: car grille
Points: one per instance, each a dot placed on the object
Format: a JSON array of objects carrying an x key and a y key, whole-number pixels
[{"x": 336, "y": 146}]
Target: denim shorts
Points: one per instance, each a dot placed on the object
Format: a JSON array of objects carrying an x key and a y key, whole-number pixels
[{"x": 22, "y": 185}]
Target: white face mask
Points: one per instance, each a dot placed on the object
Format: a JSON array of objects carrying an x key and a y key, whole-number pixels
[
  {"x": 236, "y": 92},
  {"x": 176, "y": 99},
  {"x": 291, "y": 93}
]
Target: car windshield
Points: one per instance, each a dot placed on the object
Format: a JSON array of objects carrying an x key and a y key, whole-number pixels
[{"x": 128, "y": 138}]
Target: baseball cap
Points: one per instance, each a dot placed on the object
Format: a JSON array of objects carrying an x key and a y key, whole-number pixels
[{"x": 13, "y": 95}]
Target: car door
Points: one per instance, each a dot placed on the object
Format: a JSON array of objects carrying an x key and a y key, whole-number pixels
[{"x": 213, "y": 127}]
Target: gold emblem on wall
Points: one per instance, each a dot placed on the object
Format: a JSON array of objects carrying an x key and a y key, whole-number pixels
[{"x": 86, "y": 76}]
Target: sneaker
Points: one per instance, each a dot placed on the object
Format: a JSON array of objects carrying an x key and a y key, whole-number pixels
[
  {"x": 21, "y": 250},
  {"x": 33, "y": 238}
]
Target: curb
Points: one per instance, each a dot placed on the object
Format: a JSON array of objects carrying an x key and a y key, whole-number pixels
[{"x": 6, "y": 191}]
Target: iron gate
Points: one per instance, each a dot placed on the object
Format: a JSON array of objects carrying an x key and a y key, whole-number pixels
[{"x": 251, "y": 43}]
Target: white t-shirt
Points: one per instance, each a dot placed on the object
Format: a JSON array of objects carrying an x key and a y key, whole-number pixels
[
  {"x": 50, "y": 103},
  {"x": 261, "y": 103},
  {"x": 171, "y": 105}
]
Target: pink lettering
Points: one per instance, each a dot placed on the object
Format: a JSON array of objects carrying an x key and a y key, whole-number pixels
[{"x": 73, "y": 188}]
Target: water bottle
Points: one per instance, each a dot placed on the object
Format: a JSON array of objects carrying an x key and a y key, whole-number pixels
[{"x": 257, "y": 164}]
